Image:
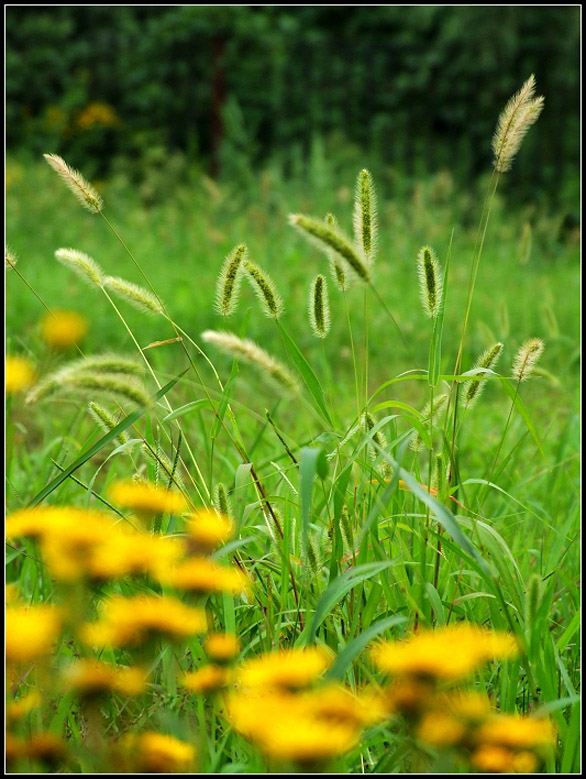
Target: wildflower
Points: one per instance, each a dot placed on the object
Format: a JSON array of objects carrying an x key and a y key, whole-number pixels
[
  {"x": 440, "y": 729},
  {"x": 448, "y": 653},
  {"x": 154, "y": 753},
  {"x": 31, "y": 632},
  {"x": 207, "y": 679},
  {"x": 131, "y": 622},
  {"x": 20, "y": 374},
  {"x": 208, "y": 529},
  {"x": 512, "y": 731},
  {"x": 285, "y": 669},
  {"x": 125, "y": 553},
  {"x": 17, "y": 710},
  {"x": 46, "y": 748},
  {"x": 498, "y": 760},
  {"x": 222, "y": 647},
  {"x": 91, "y": 678},
  {"x": 62, "y": 329},
  {"x": 201, "y": 575},
  {"x": 147, "y": 498}
]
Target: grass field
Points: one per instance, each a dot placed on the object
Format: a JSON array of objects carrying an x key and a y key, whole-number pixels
[{"x": 345, "y": 533}]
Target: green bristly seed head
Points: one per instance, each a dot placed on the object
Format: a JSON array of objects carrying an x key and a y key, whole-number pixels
[
  {"x": 487, "y": 361},
  {"x": 105, "y": 420},
  {"x": 439, "y": 402},
  {"x": 228, "y": 286},
  {"x": 365, "y": 219},
  {"x": 341, "y": 280},
  {"x": 319, "y": 307},
  {"x": 329, "y": 240},
  {"x": 222, "y": 500},
  {"x": 430, "y": 282},
  {"x": 137, "y": 296},
  {"x": 526, "y": 359},
  {"x": 265, "y": 290},
  {"x": 82, "y": 264}
]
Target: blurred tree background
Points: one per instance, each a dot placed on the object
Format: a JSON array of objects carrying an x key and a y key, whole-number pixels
[{"x": 411, "y": 89}]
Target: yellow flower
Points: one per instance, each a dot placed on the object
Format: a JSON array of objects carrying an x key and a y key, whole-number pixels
[
  {"x": 440, "y": 729},
  {"x": 206, "y": 679},
  {"x": 147, "y": 498},
  {"x": 129, "y": 552},
  {"x": 31, "y": 632},
  {"x": 207, "y": 529},
  {"x": 287, "y": 727},
  {"x": 285, "y": 669},
  {"x": 20, "y": 374},
  {"x": 91, "y": 678},
  {"x": 510, "y": 730},
  {"x": 156, "y": 753},
  {"x": 16, "y": 710},
  {"x": 222, "y": 647},
  {"x": 45, "y": 748},
  {"x": 134, "y": 621},
  {"x": 335, "y": 703},
  {"x": 202, "y": 575},
  {"x": 497, "y": 760},
  {"x": 409, "y": 696},
  {"x": 448, "y": 653},
  {"x": 62, "y": 329}
]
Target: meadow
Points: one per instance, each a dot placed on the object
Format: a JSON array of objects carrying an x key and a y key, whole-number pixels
[{"x": 352, "y": 545}]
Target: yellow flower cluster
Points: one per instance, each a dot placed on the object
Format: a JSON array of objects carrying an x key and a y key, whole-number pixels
[
  {"x": 208, "y": 529},
  {"x": 153, "y": 753},
  {"x": 31, "y": 632},
  {"x": 91, "y": 678},
  {"x": 132, "y": 622},
  {"x": 465, "y": 721},
  {"x": 62, "y": 329},
  {"x": 277, "y": 710},
  {"x": 147, "y": 498},
  {"x": 97, "y": 115}
]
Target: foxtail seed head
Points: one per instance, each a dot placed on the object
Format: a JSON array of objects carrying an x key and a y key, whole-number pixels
[
  {"x": 365, "y": 219},
  {"x": 105, "y": 420},
  {"x": 247, "y": 350},
  {"x": 519, "y": 114},
  {"x": 416, "y": 443},
  {"x": 82, "y": 189},
  {"x": 84, "y": 266},
  {"x": 319, "y": 307},
  {"x": 229, "y": 281},
  {"x": 430, "y": 281},
  {"x": 137, "y": 296},
  {"x": 264, "y": 287},
  {"x": 222, "y": 500},
  {"x": 341, "y": 281},
  {"x": 526, "y": 359},
  {"x": 379, "y": 439},
  {"x": 487, "y": 361},
  {"x": 10, "y": 258},
  {"x": 329, "y": 239}
]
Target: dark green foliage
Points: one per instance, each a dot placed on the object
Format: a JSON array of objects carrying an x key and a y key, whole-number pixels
[{"x": 416, "y": 86}]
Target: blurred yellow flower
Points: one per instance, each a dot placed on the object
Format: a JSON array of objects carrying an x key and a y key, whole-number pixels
[
  {"x": 90, "y": 678},
  {"x": 447, "y": 653},
  {"x": 285, "y": 669},
  {"x": 440, "y": 729},
  {"x": 147, "y": 498},
  {"x": 206, "y": 679},
  {"x": 510, "y": 730},
  {"x": 131, "y": 622},
  {"x": 207, "y": 529},
  {"x": 155, "y": 753},
  {"x": 62, "y": 329},
  {"x": 202, "y": 575},
  {"x": 97, "y": 115},
  {"x": 20, "y": 374},
  {"x": 222, "y": 647},
  {"x": 16, "y": 710},
  {"x": 31, "y": 632},
  {"x": 498, "y": 760}
]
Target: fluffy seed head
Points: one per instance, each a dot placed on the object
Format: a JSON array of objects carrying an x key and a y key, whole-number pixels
[
  {"x": 10, "y": 258},
  {"x": 105, "y": 420},
  {"x": 519, "y": 114},
  {"x": 137, "y": 296},
  {"x": 247, "y": 350},
  {"x": 222, "y": 500},
  {"x": 80, "y": 263},
  {"x": 430, "y": 281},
  {"x": 379, "y": 438},
  {"x": 82, "y": 189},
  {"x": 526, "y": 359},
  {"x": 486, "y": 361},
  {"x": 264, "y": 287},
  {"x": 229, "y": 281},
  {"x": 319, "y": 307},
  {"x": 329, "y": 239},
  {"x": 365, "y": 219},
  {"x": 341, "y": 281}
]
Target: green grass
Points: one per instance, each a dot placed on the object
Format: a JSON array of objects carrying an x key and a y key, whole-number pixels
[{"x": 415, "y": 559}]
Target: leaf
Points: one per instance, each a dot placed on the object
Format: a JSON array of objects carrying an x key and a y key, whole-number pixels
[
  {"x": 311, "y": 462},
  {"x": 186, "y": 409},
  {"x": 307, "y": 374},
  {"x": 89, "y": 453},
  {"x": 513, "y": 393}
]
